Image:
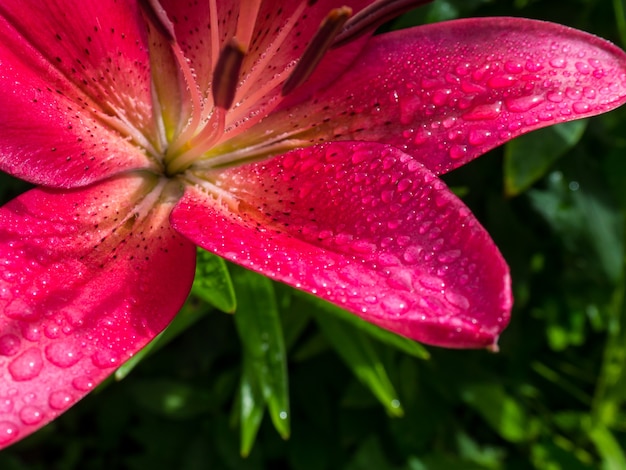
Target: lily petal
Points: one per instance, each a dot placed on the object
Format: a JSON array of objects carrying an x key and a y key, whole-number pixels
[
  {"x": 449, "y": 92},
  {"x": 64, "y": 95},
  {"x": 85, "y": 281},
  {"x": 366, "y": 227}
]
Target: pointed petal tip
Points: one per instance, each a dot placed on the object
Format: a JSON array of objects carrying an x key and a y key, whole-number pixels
[{"x": 400, "y": 251}]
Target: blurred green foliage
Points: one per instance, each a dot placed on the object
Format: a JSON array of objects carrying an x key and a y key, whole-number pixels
[{"x": 290, "y": 382}]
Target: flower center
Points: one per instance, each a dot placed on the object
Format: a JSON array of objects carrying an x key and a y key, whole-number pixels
[{"x": 200, "y": 137}]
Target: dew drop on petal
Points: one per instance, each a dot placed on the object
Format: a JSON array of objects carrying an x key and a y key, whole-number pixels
[
  {"x": 62, "y": 355},
  {"x": 558, "y": 63},
  {"x": 60, "y": 399},
  {"x": 8, "y": 432},
  {"x": 20, "y": 310},
  {"x": 479, "y": 136},
  {"x": 484, "y": 112},
  {"x": 456, "y": 299},
  {"x": 432, "y": 283},
  {"x": 6, "y": 405},
  {"x": 31, "y": 415},
  {"x": 27, "y": 365},
  {"x": 523, "y": 104},
  {"x": 458, "y": 151},
  {"x": 395, "y": 305},
  {"x": 83, "y": 384},
  {"x": 105, "y": 359},
  {"x": 412, "y": 254},
  {"x": 30, "y": 331},
  {"x": 9, "y": 345},
  {"x": 580, "y": 107},
  {"x": 370, "y": 299}
]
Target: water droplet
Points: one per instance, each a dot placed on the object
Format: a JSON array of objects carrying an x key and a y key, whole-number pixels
[
  {"x": 501, "y": 81},
  {"x": 370, "y": 299},
  {"x": 29, "y": 397},
  {"x": 60, "y": 399},
  {"x": 395, "y": 403},
  {"x": 362, "y": 246},
  {"x": 412, "y": 254},
  {"x": 30, "y": 331},
  {"x": 8, "y": 432},
  {"x": 456, "y": 299},
  {"x": 6, "y": 405},
  {"x": 583, "y": 68},
  {"x": 31, "y": 415},
  {"x": 432, "y": 283},
  {"x": 449, "y": 256},
  {"x": 83, "y": 384},
  {"x": 283, "y": 415},
  {"x": 573, "y": 93},
  {"x": 458, "y": 151},
  {"x": 440, "y": 97},
  {"x": 20, "y": 310},
  {"x": 9, "y": 345},
  {"x": 513, "y": 67},
  {"x": 534, "y": 66},
  {"x": 27, "y": 365},
  {"x": 580, "y": 107},
  {"x": 523, "y": 104},
  {"x": 558, "y": 63},
  {"x": 104, "y": 359},
  {"x": 52, "y": 330},
  {"x": 62, "y": 355},
  {"x": 395, "y": 305},
  {"x": 479, "y": 136},
  {"x": 484, "y": 112},
  {"x": 589, "y": 93}
]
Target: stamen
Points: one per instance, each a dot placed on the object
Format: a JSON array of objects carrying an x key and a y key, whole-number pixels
[
  {"x": 372, "y": 16},
  {"x": 279, "y": 145},
  {"x": 223, "y": 88},
  {"x": 316, "y": 49},
  {"x": 200, "y": 144},
  {"x": 247, "y": 21},
  {"x": 125, "y": 128},
  {"x": 226, "y": 74},
  {"x": 157, "y": 17},
  {"x": 215, "y": 33},
  {"x": 267, "y": 55}
]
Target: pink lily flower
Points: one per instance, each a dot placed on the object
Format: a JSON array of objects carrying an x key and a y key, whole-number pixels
[{"x": 282, "y": 136}]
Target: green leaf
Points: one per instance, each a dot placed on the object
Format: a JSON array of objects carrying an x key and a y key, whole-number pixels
[
  {"x": 578, "y": 208},
  {"x": 503, "y": 413},
  {"x": 529, "y": 157},
  {"x": 405, "y": 345},
  {"x": 170, "y": 398},
  {"x": 191, "y": 312},
  {"x": 212, "y": 282},
  {"x": 608, "y": 447},
  {"x": 258, "y": 325},
  {"x": 252, "y": 406},
  {"x": 359, "y": 354}
]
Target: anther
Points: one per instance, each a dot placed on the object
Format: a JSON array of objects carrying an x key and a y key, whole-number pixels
[
  {"x": 373, "y": 16},
  {"x": 317, "y": 48},
  {"x": 226, "y": 74},
  {"x": 158, "y": 17}
]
